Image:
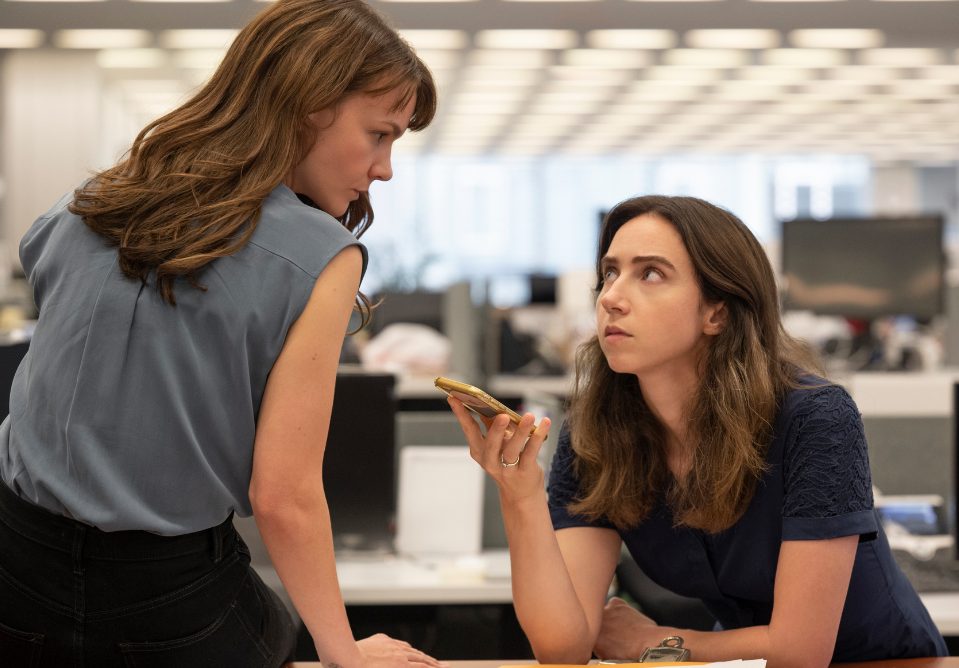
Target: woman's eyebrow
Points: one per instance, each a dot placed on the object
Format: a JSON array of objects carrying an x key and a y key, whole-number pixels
[
  {"x": 639, "y": 259},
  {"x": 658, "y": 259}
]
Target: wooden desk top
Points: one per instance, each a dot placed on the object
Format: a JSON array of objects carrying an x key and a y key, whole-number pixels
[{"x": 942, "y": 662}]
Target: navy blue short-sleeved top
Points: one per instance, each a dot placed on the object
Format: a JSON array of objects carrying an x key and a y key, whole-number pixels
[{"x": 817, "y": 486}]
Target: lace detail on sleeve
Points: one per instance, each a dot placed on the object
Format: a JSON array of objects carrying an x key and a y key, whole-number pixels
[{"x": 826, "y": 464}]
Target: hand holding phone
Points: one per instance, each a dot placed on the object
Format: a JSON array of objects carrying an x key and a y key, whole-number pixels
[{"x": 477, "y": 400}]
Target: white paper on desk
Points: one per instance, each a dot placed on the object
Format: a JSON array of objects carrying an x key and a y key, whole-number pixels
[{"x": 440, "y": 506}]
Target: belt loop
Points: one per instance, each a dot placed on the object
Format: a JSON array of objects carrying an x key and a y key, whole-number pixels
[{"x": 218, "y": 535}]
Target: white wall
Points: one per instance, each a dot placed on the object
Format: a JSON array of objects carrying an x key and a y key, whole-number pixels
[{"x": 51, "y": 131}]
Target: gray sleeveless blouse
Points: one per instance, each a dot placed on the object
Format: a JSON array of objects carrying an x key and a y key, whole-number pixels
[{"x": 129, "y": 413}]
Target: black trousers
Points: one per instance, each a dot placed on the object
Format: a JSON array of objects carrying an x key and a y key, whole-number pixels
[{"x": 72, "y": 595}]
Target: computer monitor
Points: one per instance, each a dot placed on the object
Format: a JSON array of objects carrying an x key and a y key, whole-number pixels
[
  {"x": 864, "y": 268},
  {"x": 359, "y": 467},
  {"x": 420, "y": 306},
  {"x": 542, "y": 288}
]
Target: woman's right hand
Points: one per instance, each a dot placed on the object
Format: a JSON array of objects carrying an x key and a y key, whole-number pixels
[
  {"x": 382, "y": 651},
  {"x": 506, "y": 453}
]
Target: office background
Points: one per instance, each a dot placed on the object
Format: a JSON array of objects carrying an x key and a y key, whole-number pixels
[{"x": 550, "y": 113}]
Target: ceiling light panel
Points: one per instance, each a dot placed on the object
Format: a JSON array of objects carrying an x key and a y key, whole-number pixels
[
  {"x": 733, "y": 39},
  {"x": 437, "y": 59},
  {"x": 751, "y": 90},
  {"x": 578, "y": 77},
  {"x": 520, "y": 39},
  {"x": 631, "y": 39},
  {"x": 776, "y": 73},
  {"x": 804, "y": 57},
  {"x": 901, "y": 57},
  {"x": 101, "y": 39},
  {"x": 198, "y": 59},
  {"x": 681, "y": 74},
  {"x": 436, "y": 39},
  {"x": 606, "y": 58},
  {"x": 837, "y": 38},
  {"x": 15, "y": 38},
  {"x": 706, "y": 57},
  {"x": 197, "y": 39},
  {"x": 868, "y": 73},
  {"x": 511, "y": 59},
  {"x": 131, "y": 58}
]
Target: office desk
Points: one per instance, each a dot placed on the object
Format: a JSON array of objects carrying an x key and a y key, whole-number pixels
[
  {"x": 943, "y": 662},
  {"x": 395, "y": 580}
]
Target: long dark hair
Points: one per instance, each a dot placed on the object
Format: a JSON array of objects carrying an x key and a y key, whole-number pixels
[
  {"x": 746, "y": 369},
  {"x": 190, "y": 188}
]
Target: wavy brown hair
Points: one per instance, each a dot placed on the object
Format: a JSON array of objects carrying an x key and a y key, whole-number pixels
[
  {"x": 190, "y": 188},
  {"x": 746, "y": 369}
]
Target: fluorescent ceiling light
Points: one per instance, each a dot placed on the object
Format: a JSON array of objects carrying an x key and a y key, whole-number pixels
[
  {"x": 520, "y": 39},
  {"x": 706, "y": 57},
  {"x": 565, "y": 108},
  {"x": 941, "y": 72},
  {"x": 776, "y": 73},
  {"x": 501, "y": 96},
  {"x": 868, "y": 73},
  {"x": 751, "y": 90},
  {"x": 631, "y": 39},
  {"x": 496, "y": 76},
  {"x": 436, "y": 59},
  {"x": 15, "y": 38},
  {"x": 481, "y": 106},
  {"x": 607, "y": 58},
  {"x": 680, "y": 74},
  {"x": 564, "y": 96},
  {"x": 587, "y": 76},
  {"x": 436, "y": 39},
  {"x": 919, "y": 89},
  {"x": 101, "y": 39},
  {"x": 901, "y": 57},
  {"x": 837, "y": 38},
  {"x": 804, "y": 57},
  {"x": 733, "y": 39},
  {"x": 663, "y": 93},
  {"x": 511, "y": 59},
  {"x": 131, "y": 58},
  {"x": 198, "y": 59},
  {"x": 197, "y": 39}
]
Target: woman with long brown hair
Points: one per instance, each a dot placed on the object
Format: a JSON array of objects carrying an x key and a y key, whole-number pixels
[
  {"x": 193, "y": 300},
  {"x": 700, "y": 436}
]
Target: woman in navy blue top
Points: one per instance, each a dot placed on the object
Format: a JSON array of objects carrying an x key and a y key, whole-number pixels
[{"x": 699, "y": 436}]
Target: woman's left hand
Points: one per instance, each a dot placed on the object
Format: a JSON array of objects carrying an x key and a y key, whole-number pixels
[
  {"x": 626, "y": 632},
  {"x": 507, "y": 452}
]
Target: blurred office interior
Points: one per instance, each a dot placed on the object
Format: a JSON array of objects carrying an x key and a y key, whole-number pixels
[{"x": 811, "y": 120}]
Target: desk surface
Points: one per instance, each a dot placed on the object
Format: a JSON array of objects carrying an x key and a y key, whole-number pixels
[
  {"x": 395, "y": 580},
  {"x": 943, "y": 662}
]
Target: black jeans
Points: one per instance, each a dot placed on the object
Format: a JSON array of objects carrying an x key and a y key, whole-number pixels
[{"x": 72, "y": 595}]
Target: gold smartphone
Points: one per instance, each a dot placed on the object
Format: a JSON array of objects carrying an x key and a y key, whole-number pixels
[{"x": 477, "y": 400}]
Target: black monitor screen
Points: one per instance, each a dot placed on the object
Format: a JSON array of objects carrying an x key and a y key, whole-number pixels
[
  {"x": 864, "y": 267},
  {"x": 360, "y": 462}
]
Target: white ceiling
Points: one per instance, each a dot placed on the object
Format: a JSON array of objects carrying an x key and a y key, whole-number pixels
[{"x": 890, "y": 91}]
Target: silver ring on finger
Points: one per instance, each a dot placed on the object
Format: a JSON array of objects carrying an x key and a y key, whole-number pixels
[{"x": 505, "y": 464}]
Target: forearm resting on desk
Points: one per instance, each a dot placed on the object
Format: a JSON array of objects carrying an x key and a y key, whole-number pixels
[
  {"x": 299, "y": 539},
  {"x": 548, "y": 603}
]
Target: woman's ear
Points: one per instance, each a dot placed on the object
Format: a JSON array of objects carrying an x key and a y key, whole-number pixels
[{"x": 716, "y": 316}]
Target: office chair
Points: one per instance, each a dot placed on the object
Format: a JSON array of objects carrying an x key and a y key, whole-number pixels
[{"x": 662, "y": 605}]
